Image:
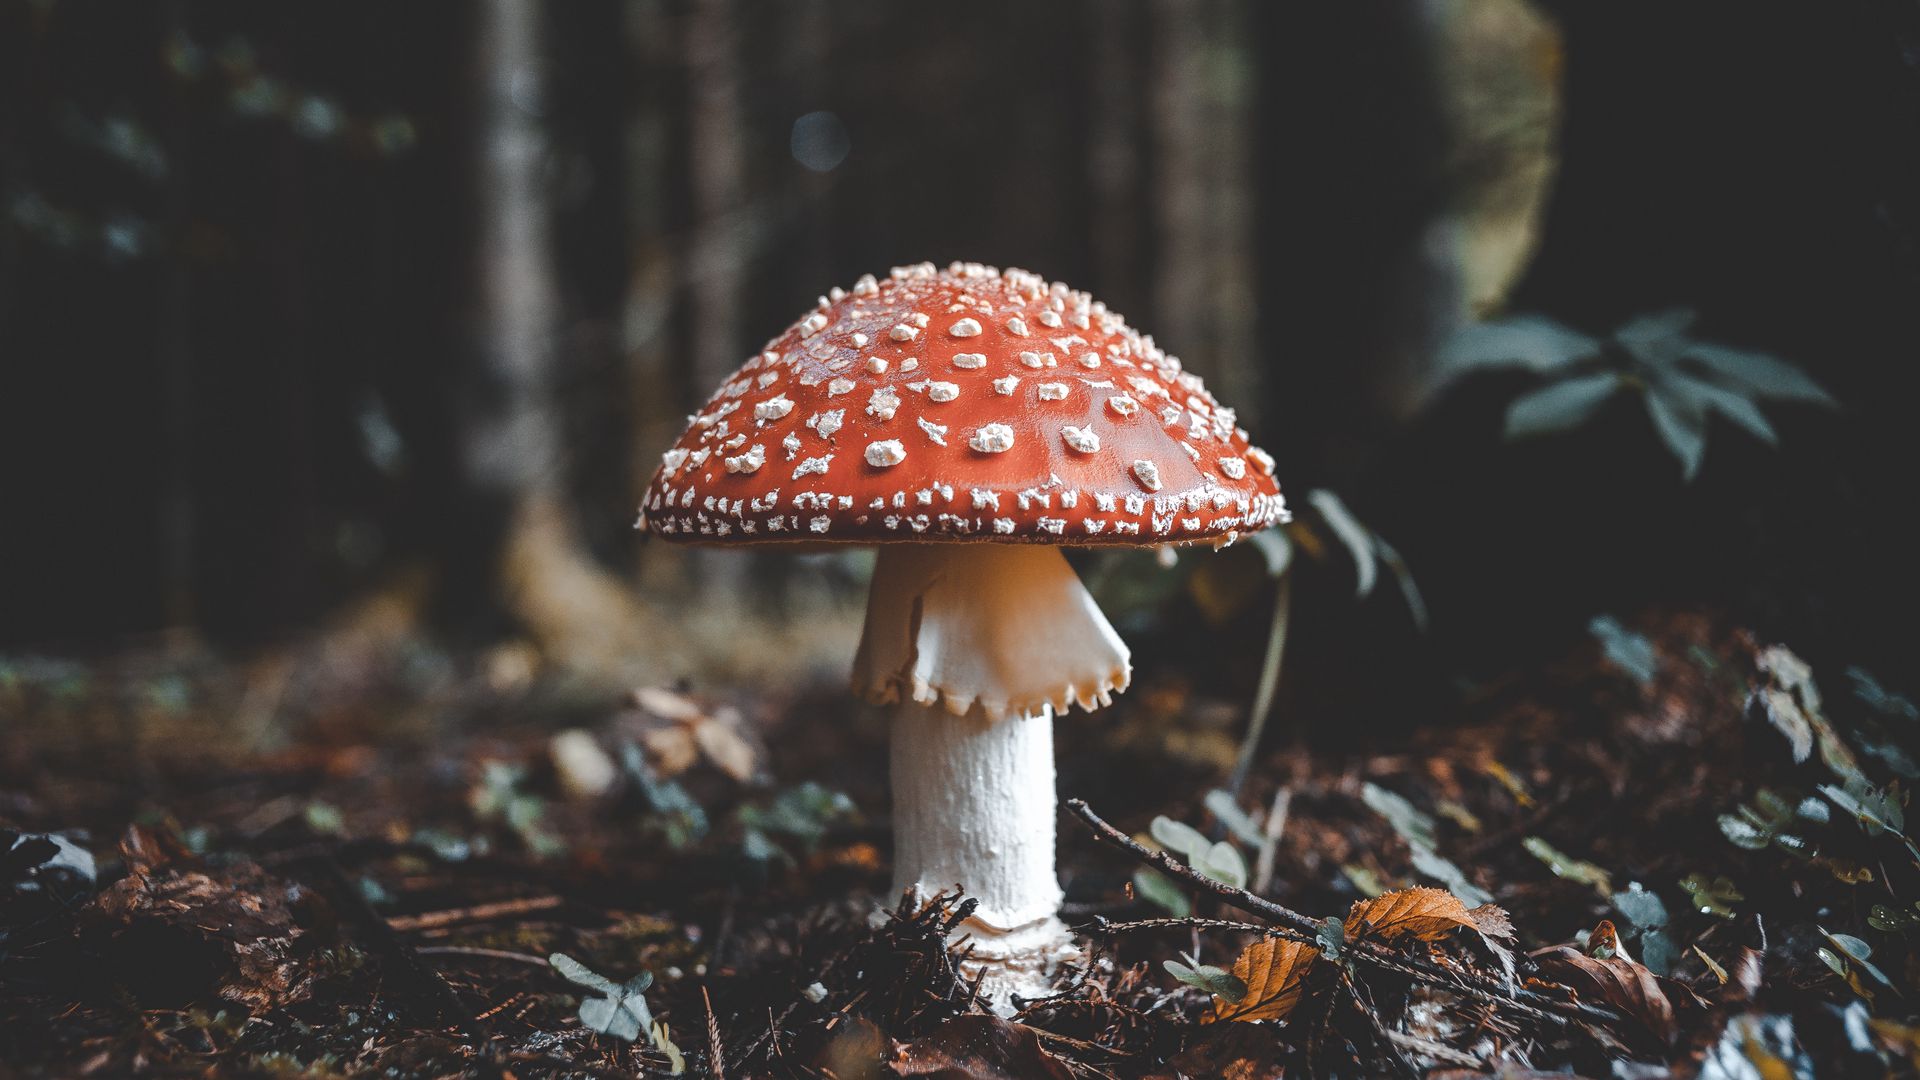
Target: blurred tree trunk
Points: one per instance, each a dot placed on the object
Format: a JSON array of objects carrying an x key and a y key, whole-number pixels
[
  {"x": 1203, "y": 254},
  {"x": 578, "y": 613},
  {"x": 715, "y": 258},
  {"x": 654, "y": 374}
]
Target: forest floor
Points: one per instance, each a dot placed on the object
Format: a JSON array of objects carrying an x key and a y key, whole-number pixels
[{"x": 1663, "y": 855}]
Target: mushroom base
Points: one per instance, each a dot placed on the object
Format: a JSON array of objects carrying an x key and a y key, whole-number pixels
[{"x": 974, "y": 807}]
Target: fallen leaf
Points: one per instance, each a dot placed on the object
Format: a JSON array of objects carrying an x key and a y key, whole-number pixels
[
  {"x": 176, "y": 932},
  {"x": 1496, "y": 932},
  {"x": 1620, "y": 984},
  {"x": 691, "y": 733},
  {"x": 1424, "y": 913},
  {"x": 1230, "y": 1052},
  {"x": 1274, "y": 971},
  {"x": 979, "y": 1048}
]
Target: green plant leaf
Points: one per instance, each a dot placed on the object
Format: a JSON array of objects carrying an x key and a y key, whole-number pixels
[
  {"x": 1331, "y": 938},
  {"x": 620, "y": 1010},
  {"x": 1221, "y": 984},
  {"x": 1276, "y": 548},
  {"x": 1566, "y": 866},
  {"x": 1221, "y": 805},
  {"x": 1223, "y": 863},
  {"x": 1533, "y": 342},
  {"x": 1710, "y": 397},
  {"x": 1658, "y": 338},
  {"x": 1413, "y": 824},
  {"x": 1357, "y": 538},
  {"x": 1759, "y": 373},
  {"x": 1712, "y": 896},
  {"x": 1630, "y": 651},
  {"x": 1444, "y": 871},
  {"x": 1559, "y": 406},
  {"x": 1159, "y": 890},
  {"x": 1681, "y": 425},
  {"x": 1877, "y": 810},
  {"x": 1180, "y": 838}
]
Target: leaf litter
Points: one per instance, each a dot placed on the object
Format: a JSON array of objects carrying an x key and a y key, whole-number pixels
[{"x": 1701, "y": 868}]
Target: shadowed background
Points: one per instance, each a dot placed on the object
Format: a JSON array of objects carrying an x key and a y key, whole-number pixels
[{"x": 308, "y": 311}]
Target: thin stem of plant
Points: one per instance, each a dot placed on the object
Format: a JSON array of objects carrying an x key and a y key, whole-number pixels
[
  {"x": 1269, "y": 682},
  {"x": 1295, "y": 926}
]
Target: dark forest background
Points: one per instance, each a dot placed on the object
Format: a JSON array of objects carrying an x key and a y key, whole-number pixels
[{"x": 302, "y": 304}]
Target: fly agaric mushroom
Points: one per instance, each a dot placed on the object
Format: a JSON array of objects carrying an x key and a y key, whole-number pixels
[{"x": 970, "y": 422}]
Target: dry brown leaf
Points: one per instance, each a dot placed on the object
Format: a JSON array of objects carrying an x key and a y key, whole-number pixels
[
  {"x": 692, "y": 733},
  {"x": 1605, "y": 938},
  {"x": 1492, "y": 921},
  {"x": 1275, "y": 971},
  {"x": 1620, "y": 983},
  {"x": 1424, "y": 913},
  {"x": 668, "y": 705},
  {"x": 175, "y": 931},
  {"x": 720, "y": 740}
]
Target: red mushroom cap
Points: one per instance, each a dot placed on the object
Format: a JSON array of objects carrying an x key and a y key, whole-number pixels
[{"x": 962, "y": 404}]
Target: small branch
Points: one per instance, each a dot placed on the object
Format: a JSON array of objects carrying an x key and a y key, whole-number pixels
[
  {"x": 1276, "y": 826},
  {"x": 478, "y": 913},
  {"x": 1291, "y": 924},
  {"x": 487, "y": 954},
  {"x": 1269, "y": 682}
]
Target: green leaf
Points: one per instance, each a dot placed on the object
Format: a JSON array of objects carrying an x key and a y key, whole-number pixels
[
  {"x": 1276, "y": 548},
  {"x": 1159, "y": 890},
  {"x": 1876, "y": 810},
  {"x": 1413, "y": 824},
  {"x": 1715, "y": 896},
  {"x": 1533, "y": 342},
  {"x": 1628, "y": 650},
  {"x": 581, "y": 975},
  {"x": 1744, "y": 833},
  {"x": 1879, "y": 698},
  {"x": 1759, "y": 373},
  {"x": 1180, "y": 838},
  {"x": 1640, "y": 906},
  {"x": 1221, "y": 805},
  {"x": 1566, "y": 866},
  {"x": 1559, "y": 406},
  {"x": 1445, "y": 872},
  {"x": 1357, "y": 538},
  {"x": 1222, "y": 984},
  {"x": 1402, "y": 576},
  {"x": 1223, "y": 863},
  {"x": 1331, "y": 938},
  {"x": 1893, "y": 920},
  {"x": 1656, "y": 339},
  {"x": 620, "y": 1010},
  {"x": 1707, "y": 396},
  {"x": 1682, "y": 426},
  {"x": 1857, "y": 952}
]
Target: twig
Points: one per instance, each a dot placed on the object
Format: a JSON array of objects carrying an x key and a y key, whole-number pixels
[
  {"x": 487, "y": 954},
  {"x": 478, "y": 913},
  {"x": 1292, "y": 924},
  {"x": 1269, "y": 682},
  {"x": 1276, "y": 826}
]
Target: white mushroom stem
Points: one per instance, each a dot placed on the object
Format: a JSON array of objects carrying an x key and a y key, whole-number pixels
[
  {"x": 976, "y": 645},
  {"x": 974, "y": 807}
]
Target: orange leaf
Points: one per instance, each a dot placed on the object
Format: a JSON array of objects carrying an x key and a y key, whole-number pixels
[
  {"x": 1275, "y": 972},
  {"x": 1422, "y": 912}
]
